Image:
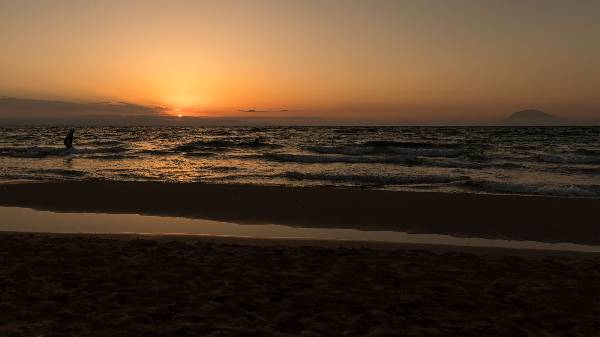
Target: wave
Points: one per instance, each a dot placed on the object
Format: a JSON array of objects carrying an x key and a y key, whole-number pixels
[
  {"x": 507, "y": 166},
  {"x": 345, "y": 149},
  {"x": 43, "y": 174},
  {"x": 413, "y": 145},
  {"x": 406, "y": 160},
  {"x": 258, "y": 142},
  {"x": 42, "y": 152},
  {"x": 103, "y": 143},
  {"x": 306, "y": 158},
  {"x": 382, "y": 147},
  {"x": 570, "y": 190},
  {"x": 222, "y": 168},
  {"x": 588, "y": 152},
  {"x": 113, "y": 149},
  {"x": 363, "y": 150},
  {"x": 32, "y": 152},
  {"x": 568, "y": 169},
  {"x": 568, "y": 159},
  {"x": 200, "y": 154},
  {"x": 189, "y": 153},
  {"x": 20, "y": 137},
  {"x": 429, "y": 152},
  {"x": 61, "y": 172},
  {"x": 111, "y": 156},
  {"x": 376, "y": 179},
  {"x": 157, "y": 152},
  {"x": 352, "y": 130},
  {"x": 14, "y": 176}
]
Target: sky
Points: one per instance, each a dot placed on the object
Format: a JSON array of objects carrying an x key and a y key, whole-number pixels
[{"x": 391, "y": 61}]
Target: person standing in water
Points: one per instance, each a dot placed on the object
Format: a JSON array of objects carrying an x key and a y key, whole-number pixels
[{"x": 69, "y": 139}]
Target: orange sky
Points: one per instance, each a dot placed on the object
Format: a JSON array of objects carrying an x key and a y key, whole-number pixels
[{"x": 391, "y": 60}]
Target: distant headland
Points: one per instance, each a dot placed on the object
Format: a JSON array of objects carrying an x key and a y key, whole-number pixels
[{"x": 534, "y": 117}]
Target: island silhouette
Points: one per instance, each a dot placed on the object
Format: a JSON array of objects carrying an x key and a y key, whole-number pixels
[{"x": 534, "y": 118}]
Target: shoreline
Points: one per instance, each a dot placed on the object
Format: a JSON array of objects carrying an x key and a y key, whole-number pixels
[
  {"x": 293, "y": 243},
  {"x": 544, "y": 219}
]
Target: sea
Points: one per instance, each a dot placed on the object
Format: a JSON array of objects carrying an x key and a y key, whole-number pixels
[{"x": 543, "y": 161}]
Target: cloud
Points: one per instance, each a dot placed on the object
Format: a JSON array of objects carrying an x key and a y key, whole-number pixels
[
  {"x": 11, "y": 107},
  {"x": 32, "y": 112},
  {"x": 252, "y": 110},
  {"x": 255, "y": 110}
]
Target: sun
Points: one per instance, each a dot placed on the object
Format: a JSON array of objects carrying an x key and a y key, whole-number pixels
[{"x": 177, "y": 112}]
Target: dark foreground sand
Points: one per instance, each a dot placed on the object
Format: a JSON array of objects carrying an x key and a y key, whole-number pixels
[
  {"x": 544, "y": 219},
  {"x": 69, "y": 285}
]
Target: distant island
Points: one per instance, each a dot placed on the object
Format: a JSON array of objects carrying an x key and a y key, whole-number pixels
[{"x": 534, "y": 117}]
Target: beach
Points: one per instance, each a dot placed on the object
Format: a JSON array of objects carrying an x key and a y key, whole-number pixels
[
  {"x": 86, "y": 285},
  {"x": 536, "y": 218},
  {"x": 82, "y": 284}
]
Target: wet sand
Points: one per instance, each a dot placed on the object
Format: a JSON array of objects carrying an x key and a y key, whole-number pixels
[
  {"x": 545, "y": 219},
  {"x": 83, "y": 285}
]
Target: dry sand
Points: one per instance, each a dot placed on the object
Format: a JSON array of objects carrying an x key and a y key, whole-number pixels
[
  {"x": 70, "y": 285},
  {"x": 544, "y": 219}
]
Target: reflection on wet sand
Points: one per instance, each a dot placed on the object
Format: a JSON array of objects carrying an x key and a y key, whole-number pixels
[
  {"x": 28, "y": 220},
  {"x": 517, "y": 218}
]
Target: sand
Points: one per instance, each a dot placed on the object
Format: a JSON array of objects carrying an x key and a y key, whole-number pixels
[
  {"x": 73, "y": 285},
  {"x": 120, "y": 285},
  {"x": 546, "y": 219}
]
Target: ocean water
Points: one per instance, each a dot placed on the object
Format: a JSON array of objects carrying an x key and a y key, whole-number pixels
[{"x": 551, "y": 161}]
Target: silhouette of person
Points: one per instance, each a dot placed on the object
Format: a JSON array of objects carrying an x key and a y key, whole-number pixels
[{"x": 69, "y": 139}]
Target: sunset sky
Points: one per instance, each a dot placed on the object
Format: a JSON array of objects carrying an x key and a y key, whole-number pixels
[{"x": 446, "y": 61}]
